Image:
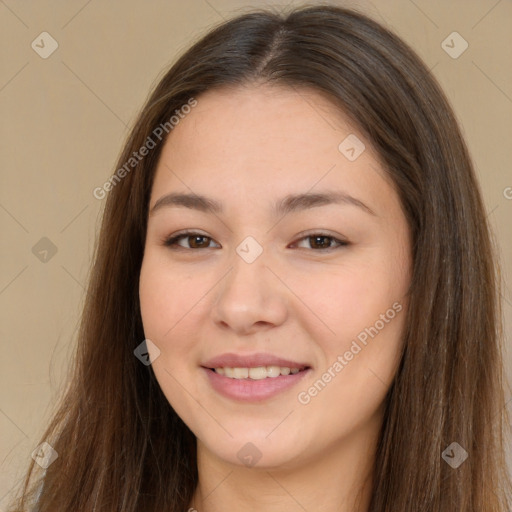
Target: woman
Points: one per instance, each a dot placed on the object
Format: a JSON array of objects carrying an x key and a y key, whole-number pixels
[{"x": 293, "y": 304}]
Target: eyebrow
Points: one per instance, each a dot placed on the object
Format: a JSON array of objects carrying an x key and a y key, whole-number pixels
[{"x": 288, "y": 204}]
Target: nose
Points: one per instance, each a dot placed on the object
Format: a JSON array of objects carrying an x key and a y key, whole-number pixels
[{"x": 250, "y": 298}]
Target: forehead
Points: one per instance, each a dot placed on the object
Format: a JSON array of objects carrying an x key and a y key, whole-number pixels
[
  {"x": 266, "y": 119},
  {"x": 266, "y": 141}
]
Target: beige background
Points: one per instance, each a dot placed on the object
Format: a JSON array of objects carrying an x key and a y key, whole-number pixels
[{"x": 64, "y": 120}]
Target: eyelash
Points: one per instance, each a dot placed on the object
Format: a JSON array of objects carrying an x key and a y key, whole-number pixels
[{"x": 171, "y": 241}]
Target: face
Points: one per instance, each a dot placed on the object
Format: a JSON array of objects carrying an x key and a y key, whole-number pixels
[{"x": 290, "y": 276}]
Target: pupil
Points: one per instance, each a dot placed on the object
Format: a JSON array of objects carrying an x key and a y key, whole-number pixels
[
  {"x": 325, "y": 238},
  {"x": 195, "y": 239}
]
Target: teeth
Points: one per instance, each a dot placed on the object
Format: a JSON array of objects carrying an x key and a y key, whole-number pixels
[
  {"x": 273, "y": 371},
  {"x": 258, "y": 373},
  {"x": 240, "y": 373}
]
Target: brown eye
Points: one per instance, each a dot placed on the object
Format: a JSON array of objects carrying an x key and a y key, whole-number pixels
[
  {"x": 198, "y": 241},
  {"x": 319, "y": 242},
  {"x": 195, "y": 241}
]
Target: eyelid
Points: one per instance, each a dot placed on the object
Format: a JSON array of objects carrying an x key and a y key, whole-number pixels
[
  {"x": 171, "y": 240},
  {"x": 341, "y": 241},
  {"x": 320, "y": 232}
]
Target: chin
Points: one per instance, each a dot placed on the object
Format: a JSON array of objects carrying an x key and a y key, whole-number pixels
[{"x": 256, "y": 451}]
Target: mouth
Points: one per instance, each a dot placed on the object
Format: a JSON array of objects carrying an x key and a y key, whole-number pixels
[
  {"x": 257, "y": 372},
  {"x": 254, "y": 377}
]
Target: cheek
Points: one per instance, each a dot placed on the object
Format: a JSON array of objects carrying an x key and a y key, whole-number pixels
[
  {"x": 359, "y": 312},
  {"x": 165, "y": 296},
  {"x": 361, "y": 360},
  {"x": 167, "y": 299},
  {"x": 343, "y": 300}
]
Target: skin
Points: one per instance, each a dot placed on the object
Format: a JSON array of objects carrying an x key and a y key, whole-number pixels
[{"x": 248, "y": 147}]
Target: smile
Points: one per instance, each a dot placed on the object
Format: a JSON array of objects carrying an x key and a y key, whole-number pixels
[
  {"x": 257, "y": 373},
  {"x": 254, "y": 384}
]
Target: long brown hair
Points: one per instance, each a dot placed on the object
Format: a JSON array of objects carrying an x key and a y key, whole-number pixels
[{"x": 122, "y": 447}]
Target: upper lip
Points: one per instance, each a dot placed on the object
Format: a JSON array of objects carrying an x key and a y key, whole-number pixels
[{"x": 230, "y": 360}]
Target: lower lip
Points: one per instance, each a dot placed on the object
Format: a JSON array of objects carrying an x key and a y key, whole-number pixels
[{"x": 249, "y": 390}]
